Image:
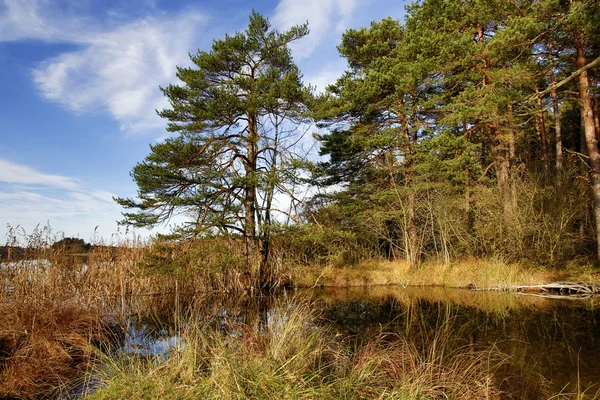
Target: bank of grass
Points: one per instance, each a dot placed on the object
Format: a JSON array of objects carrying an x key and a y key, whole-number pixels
[
  {"x": 45, "y": 345},
  {"x": 291, "y": 358},
  {"x": 111, "y": 274},
  {"x": 466, "y": 273}
]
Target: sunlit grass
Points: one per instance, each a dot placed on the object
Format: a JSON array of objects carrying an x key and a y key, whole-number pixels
[
  {"x": 466, "y": 273},
  {"x": 292, "y": 358}
]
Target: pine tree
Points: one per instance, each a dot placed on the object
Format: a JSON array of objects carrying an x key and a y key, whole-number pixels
[{"x": 221, "y": 164}]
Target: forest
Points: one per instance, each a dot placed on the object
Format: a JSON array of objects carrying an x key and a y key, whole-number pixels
[{"x": 467, "y": 130}]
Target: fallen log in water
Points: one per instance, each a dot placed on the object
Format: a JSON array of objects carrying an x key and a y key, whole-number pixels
[
  {"x": 556, "y": 289},
  {"x": 560, "y": 288}
]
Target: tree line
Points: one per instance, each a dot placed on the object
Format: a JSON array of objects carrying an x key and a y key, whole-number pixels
[{"x": 470, "y": 128}]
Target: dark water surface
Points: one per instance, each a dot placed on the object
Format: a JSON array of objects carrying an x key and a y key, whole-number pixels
[{"x": 557, "y": 339}]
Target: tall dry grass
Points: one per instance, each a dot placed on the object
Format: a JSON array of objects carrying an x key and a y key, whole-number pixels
[
  {"x": 292, "y": 357},
  {"x": 44, "y": 345},
  {"x": 53, "y": 303},
  {"x": 115, "y": 273}
]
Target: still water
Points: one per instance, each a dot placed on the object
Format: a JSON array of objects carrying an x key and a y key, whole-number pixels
[{"x": 557, "y": 339}]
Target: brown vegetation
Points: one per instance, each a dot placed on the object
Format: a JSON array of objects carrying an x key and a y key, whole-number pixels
[
  {"x": 293, "y": 358},
  {"x": 45, "y": 344}
]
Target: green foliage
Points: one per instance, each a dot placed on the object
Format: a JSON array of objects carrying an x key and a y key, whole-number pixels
[
  {"x": 208, "y": 256},
  {"x": 72, "y": 245},
  {"x": 310, "y": 246},
  {"x": 226, "y": 150},
  {"x": 436, "y": 143}
]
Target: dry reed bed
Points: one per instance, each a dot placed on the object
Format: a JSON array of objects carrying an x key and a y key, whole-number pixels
[
  {"x": 54, "y": 302},
  {"x": 53, "y": 305},
  {"x": 44, "y": 345},
  {"x": 292, "y": 358},
  {"x": 109, "y": 277}
]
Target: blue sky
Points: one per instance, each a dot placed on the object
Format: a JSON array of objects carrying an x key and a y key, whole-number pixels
[{"x": 80, "y": 82}]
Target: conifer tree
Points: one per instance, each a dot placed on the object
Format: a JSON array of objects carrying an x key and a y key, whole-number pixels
[{"x": 220, "y": 166}]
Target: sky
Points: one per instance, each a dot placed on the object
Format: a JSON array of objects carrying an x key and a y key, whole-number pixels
[{"x": 80, "y": 85}]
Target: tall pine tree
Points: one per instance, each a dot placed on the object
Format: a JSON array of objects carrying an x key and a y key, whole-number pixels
[{"x": 221, "y": 165}]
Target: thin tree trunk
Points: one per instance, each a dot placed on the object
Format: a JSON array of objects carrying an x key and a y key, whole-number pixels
[
  {"x": 413, "y": 238},
  {"x": 250, "y": 193},
  {"x": 468, "y": 207},
  {"x": 557, "y": 128},
  {"x": 270, "y": 192},
  {"x": 512, "y": 157},
  {"x": 590, "y": 135},
  {"x": 542, "y": 134},
  {"x": 596, "y": 107},
  {"x": 468, "y": 211}
]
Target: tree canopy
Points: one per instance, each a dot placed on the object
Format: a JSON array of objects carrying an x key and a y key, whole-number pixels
[
  {"x": 220, "y": 167},
  {"x": 436, "y": 111}
]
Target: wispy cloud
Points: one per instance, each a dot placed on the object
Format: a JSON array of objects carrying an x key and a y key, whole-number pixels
[
  {"x": 38, "y": 19},
  {"x": 73, "y": 213},
  {"x": 327, "y": 75},
  {"x": 25, "y": 175},
  {"x": 118, "y": 66},
  {"x": 120, "y": 71},
  {"x": 30, "y": 197},
  {"x": 323, "y": 16}
]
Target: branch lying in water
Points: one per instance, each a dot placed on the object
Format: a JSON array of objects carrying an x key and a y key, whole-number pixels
[{"x": 555, "y": 289}]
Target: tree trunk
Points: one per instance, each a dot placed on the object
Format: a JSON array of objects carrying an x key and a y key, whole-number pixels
[
  {"x": 558, "y": 134},
  {"x": 557, "y": 122},
  {"x": 590, "y": 135},
  {"x": 250, "y": 193},
  {"x": 542, "y": 134},
  {"x": 512, "y": 157},
  {"x": 468, "y": 211},
  {"x": 413, "y": 238},
  {"x": 503, "y": 176},
  {"x": 270, "y": 192},
  {"x": 596, "y": 107}
]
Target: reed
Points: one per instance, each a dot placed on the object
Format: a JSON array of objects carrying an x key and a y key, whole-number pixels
[
  {"x": 44, "y": 345},
  {"x": 111, "y": 276},
  {"x": 292, "y": 357}
]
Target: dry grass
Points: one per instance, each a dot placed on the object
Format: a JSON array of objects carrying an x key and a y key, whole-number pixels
[
  {"x": 53, "y": 303},
  {"x": 460, "y": 274},
  {"x": 44, "y": 345},
  {"x": 111, "y": 278},
  {"x": 292, "y": 358}
]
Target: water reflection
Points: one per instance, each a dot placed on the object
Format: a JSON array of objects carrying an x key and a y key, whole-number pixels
[{"x": 557, "y": 339}]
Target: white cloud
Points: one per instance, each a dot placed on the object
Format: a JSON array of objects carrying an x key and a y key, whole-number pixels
[
  {"x": 323, "y": 16},
  {"x": 29, "y": 19},
  {"x": 65, "y": 202},
  {"x": 73, "y": 213},
  {"x": 120, "y": 71},
  {"x": 22, "y": 174},
  {"x": 118, "y": 66},
  {"x": 327, "y": 75}
]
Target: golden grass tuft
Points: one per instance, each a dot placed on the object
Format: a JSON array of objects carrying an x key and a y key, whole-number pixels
[
  {"x": 44, "y": 345},
  {"x": 292, "y": 357}
]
